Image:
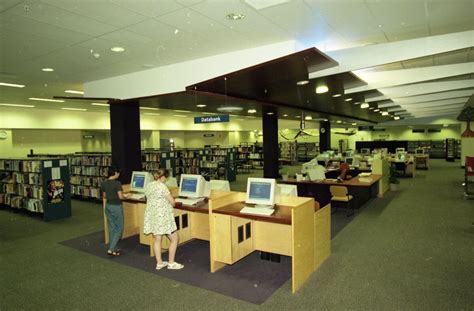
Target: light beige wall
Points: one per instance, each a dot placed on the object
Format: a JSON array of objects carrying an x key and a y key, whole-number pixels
[
  {"x": 405, "y": 133},
  {"x": 6, "y": 145},
  {"x": 196, "y": 139},
  {"x": 45, "y": 141},
  {"x": 100, "y": 142},
  {"x": 177, "y": 136}
]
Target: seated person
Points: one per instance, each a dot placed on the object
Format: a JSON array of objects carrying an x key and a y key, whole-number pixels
[{"x": 344, "y": 171}]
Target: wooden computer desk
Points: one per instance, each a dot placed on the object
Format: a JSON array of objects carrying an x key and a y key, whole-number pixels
[
  {"x": 192, "y": 221},
  {"x": 295, "y": 230},
  {"x": 361, "y": 191}
]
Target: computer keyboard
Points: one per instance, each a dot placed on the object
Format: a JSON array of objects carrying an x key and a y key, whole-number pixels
[
  {"x": 188, "y": 201},
  {"x": 136, "y": 196},
  {"x": 257, "y": 211}
]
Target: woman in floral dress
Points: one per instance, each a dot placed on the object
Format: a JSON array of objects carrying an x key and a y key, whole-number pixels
[{"x": 159, "y": 219}]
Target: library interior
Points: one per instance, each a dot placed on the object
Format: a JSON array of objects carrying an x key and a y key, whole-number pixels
[{"x": 286, "y": 154}]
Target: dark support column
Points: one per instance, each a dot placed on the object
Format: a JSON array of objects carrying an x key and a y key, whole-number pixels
[
  {"x": 125, "y": 138},
  {"x": 324, "y": 136},
  {"x": 270, "y": 145}
]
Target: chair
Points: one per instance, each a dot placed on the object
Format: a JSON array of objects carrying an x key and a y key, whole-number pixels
[
  {"x": 469, "y": 177},
  {"x": 340, "y": 194}
]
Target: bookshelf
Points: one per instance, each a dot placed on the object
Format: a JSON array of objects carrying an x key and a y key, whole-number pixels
[
  {"x": 187, "y": 162},
  {"x": 87, "y": 173},
  {"x": 218, "y": 163},
  {"x": 306, "y": 151},
  {"x": 242, "y": 153},
  {"x": 40, "y": 186},
  {"x": 288, "y": 152},
  {"x": 153, "y": 160},
  {"x": 450, "y": 149},
  {"x": 256, "y": 156}
]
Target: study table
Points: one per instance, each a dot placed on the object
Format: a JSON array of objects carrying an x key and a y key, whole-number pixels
[
  {"x": 295, "y": 229},
  {"x": 361, "y": 188}
]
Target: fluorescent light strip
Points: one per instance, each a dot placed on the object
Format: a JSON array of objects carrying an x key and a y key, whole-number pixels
[
  {"x": 17, "y": 105},
  {"x": 152, "y": 114},
  {"x": 149, "y": 108},
  {"x": 207, "y": 113},
  {"x": 74, "y": 92},
  {"x": 179, "y": 116},
  {"x": 100, "y": 104},
  {"x": 11, "y": 84},
  {"x": 186, "y": 111},
  {"x": 74, "y": 109},
  {"x": 47, "y": 100}
]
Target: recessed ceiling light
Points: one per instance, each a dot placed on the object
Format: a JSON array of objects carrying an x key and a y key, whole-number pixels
[
  {"x": 356, "y": 103},
  {"x": 152, "y": 113},
  {"x": 176, "y": 31},
  {"x": 252, "y": 111},
  {"x": 338, "y": 121},
  {"x": 308, "y": 118},
  {"x": 100, "y": 104},
  {"x": 11, "y": 85},
  {"x": 354, "y": 123},
  {"x": 297, "y": 116},
  {"x": 201, "y": 105},
  {"x": 47, "y": 100},
  {"x": 336, "y": 95},
  {"x": 285, "y": 115},
  {"x": 234, "y": 17},
  {"x": 322, "y": 89},
  {"x": 376, "y": 110},
  {"x": 117, "y": 49},
  {"x": 47, "y": 69},
  {"x": 364, "y": 105},
  {"x": 325, "y": 120},
  {"x": 229, "y": 109},
  {"x": 445, "y": 125},
  {"x": 270, "y": 113},
  {"x": 302, "y": 82},
  {"x": 396, "y": 117},
  {"x": 348, "y": 99},
  {"x": 17, "y": 105},
  {"x": 74, "y": 109},
  {"x": 185, "y": 111},
  {"x": 180, "y": 116},
  {"x": 149, "y": 108},
  {"x": 74, "y": 92},
  {"x": 371, "y": 108},
  {"x": 385, "y": 113}
]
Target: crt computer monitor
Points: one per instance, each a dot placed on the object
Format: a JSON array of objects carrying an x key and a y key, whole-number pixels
[
  {"x": 318, "y": 173},
  {"x": 139, "y": 181},
  {"x": 261, "y": 191},
  {"x": 365, "y": 151},
  {"x": 419, "y": 151},
  {"x": 191, "y": 186},
  {"x": 349, "y": 160},
  {"x": 400, "y": 149},
  {"x": 221, "y": 185},
  {"x": 287, "y": 190}
]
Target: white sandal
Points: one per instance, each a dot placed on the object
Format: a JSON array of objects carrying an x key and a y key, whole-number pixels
[
  {"x": 161, "y": 265},
  {"x": 175, "y": 266}
]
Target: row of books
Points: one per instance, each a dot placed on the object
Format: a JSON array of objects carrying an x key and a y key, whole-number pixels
[
  {"x": 20, "y": 166},
  {"x": 86, "y": 191},
  {"x": 89, "y": 170},
  {"x": 23, "y": 178},
  {"x": 86, "y": 180},
  {"x": 187, "y": 154},
  {"x": 15, "y": 201},
  {"x": 187, "y": 162},
  {"x": 88, "y": 160},
  {"x": 29, "y": 191},
  {"x": 151, "y": 157},
  {"x": 187, "y": 170}
]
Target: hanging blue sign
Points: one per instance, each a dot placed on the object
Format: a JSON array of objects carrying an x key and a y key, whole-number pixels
[{"x": 212, "y": 119}]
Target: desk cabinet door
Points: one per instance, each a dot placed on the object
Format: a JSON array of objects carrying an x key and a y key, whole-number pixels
[{"x": 223, "y": 238}]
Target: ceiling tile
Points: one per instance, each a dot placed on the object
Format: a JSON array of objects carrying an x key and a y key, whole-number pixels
[
  {"x": 102, "y": 11},
  {"x": 26, "y": 26},
  {"x": 150, "y": 8},
  {"x": 54, "y": 16}
]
